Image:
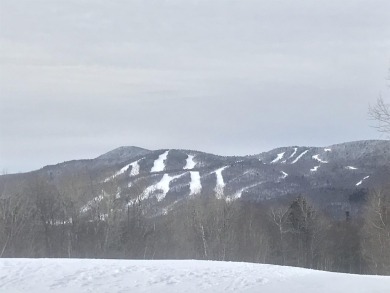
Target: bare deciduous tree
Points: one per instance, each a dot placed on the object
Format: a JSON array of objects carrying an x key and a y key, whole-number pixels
[
  {"x": 380, "y": 113},
  {"x": 376, "y": 242},
  {"x": 279, "y": 217},
  {"x": 14, "y": 215}
]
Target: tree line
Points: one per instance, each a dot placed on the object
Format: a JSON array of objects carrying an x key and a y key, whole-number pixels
[{"x": 42, "y": 220}]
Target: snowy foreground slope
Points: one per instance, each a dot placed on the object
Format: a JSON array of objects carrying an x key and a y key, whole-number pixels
[{"x": 92, "y": 275}]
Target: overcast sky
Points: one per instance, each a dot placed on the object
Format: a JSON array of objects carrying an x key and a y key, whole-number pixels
[{"x": 79, "y": 78}]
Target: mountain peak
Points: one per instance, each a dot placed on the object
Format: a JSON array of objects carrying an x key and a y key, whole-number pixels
[{"x": 123, "y": 152}]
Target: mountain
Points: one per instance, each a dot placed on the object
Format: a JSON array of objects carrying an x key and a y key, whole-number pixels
[
  {"x": 172, "y": 175},
  {"x": 122, "y": 154},
  {"x": 335, "y": 178}
]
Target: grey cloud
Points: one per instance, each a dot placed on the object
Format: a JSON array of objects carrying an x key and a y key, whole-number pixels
[{"x": 78, "y": 78}]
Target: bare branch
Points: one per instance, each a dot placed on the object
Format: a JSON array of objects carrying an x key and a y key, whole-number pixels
[{"x": 380, "y": 113}]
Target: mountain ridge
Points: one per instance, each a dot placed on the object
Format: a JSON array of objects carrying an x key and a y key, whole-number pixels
[
  {"x": 124, "y": 153},
  {"x": 163, "y": 178}
]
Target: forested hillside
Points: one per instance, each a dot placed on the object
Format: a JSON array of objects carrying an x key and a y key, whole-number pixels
[{"x": 276, "y": 207}]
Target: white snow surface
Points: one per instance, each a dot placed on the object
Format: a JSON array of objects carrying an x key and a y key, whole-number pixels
[
  {"x": 317, "y": 158},
  {"x": 159, "y": 164},
  {"x": 195, "y": 184},
  {"x": 314, "y": 169},
  {"x": 171, "y": 276},
  {"x": 163, "y": 185},
  {"x": 278, "y": 158},
  {"x": 284, "y": 175},
  {"x": 161, "y": 188},
  {"x": 293, "y": 154},
  {"x": 238, "y": 194},
  {"x": 190, "y": 163},
  {"x": 361, "y": 181},
  {"x": 135, "y": 168},
  {"x": 327, "y": 150},
  {"x": 91, "y": 203},
  {"x": 300, "y": 156},
  {"x": 134, "y": 171},
  {"x": 351, "y": 168},
  {"x": 220, "y": 182},
  {"x": 121, "y": 171}
]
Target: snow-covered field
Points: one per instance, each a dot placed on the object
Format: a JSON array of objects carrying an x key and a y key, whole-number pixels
[{"x": 93, "y": 275}]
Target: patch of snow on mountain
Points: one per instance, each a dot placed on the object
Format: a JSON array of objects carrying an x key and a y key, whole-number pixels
[
  {"x": 361, "y": 181},
  {"x": 134, "y": 171},
  {"x": 145, "y": 194},
  {"x": 327, "y": 150},
  {"x": 159, "y": 164},
  {"x": 317, "y": 157},
  {"x": 220, "y": 182},
  {"x": 284, "y": 175},
  {"x": 190, "y": 163},
  {"x": 135, "y": 168},
  {"x": 163, "y": 185},
  {"x": 238, "y": 194},
  {"x": 92, "y": 202},
  {"x": 293, "y": 154},
  {"x": 299, "y": 157},
  {"x": 314, "y": 169},
  {"x": 103, "y": 217},
  {"x": 195, "y": 184},
  {"x": 121, "y": 171},
  {"x": 278, "y": 158},
  {"x": 351, "y": 168},
  {"x": 161, "y": 188},
  {"x": 118, "y": 193}
]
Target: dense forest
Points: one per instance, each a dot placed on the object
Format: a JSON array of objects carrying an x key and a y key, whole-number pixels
[{"x": 43, "y": 221}]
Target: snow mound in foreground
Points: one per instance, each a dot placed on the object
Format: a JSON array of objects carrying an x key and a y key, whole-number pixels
[{"x": 93, "y": 275}]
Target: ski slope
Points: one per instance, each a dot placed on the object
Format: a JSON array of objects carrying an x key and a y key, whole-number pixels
[
  {"x": 134, "y": 168},
  {"x": 159, "y": 164},
  {"x": 300, "y": 156},
  {"x": 195, "y": 184},
  {"x": 169, "y": 276},
  {"x": 278, "y": 158},
  {"x": 220, "y": 185},
  {"x": 293, "y": 154},
  {"x": 317, "y": 158},
  {"x": 163, "y": 185},
  {"x": 190, "y": 163},
  {"x": 361, "y": 181},
  {"x": 315, "y": 169},
  {"x": 284, "y": 176}
]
